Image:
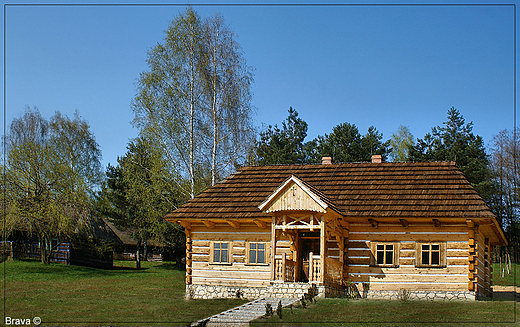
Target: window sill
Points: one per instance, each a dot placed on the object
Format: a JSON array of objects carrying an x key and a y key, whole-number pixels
[
  {"x": 221, "y": 263},
  {"x": 256, "y": 264},
  {"x": 429, "y": 266}
]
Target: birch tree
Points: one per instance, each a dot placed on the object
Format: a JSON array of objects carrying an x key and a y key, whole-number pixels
[
  {"x": 400, "y": 142},
  {"x": 168, "y": 103},
  {"x": 195, "y": 100},
  {"x": 505, "y": 203},
  {"x": 505, "y": 167},
  {"x": 227, "y": 81}
]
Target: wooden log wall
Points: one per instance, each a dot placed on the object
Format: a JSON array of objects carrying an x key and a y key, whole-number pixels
[
  {"x": 189, "y": 254},
  {"x": 467, "y": 255},
  {"x": 480, "y": 262},
  {"x": 237, "y": 272},
  {"x": 452, "y": 277}
]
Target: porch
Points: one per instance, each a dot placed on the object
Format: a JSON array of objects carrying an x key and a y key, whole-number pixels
[
  {"x": 286, "y": 270},
  {"x": 308, "y": 248},
  {"x": 308, "y": 235}
]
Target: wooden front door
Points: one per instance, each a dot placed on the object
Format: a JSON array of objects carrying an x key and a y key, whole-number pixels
[{"x": 310, "y": 243}]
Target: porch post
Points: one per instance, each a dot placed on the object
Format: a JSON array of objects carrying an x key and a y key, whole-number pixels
[
  {"x": 296, "y": 257},
  {"x": 323, "y": 255},
  {"x": 284, "y": 266},
  {"x": 311, "y": 267},
  {"x": 273, "y": 248}
]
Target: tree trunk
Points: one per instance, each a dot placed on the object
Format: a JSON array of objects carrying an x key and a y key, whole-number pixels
[
  {"x": 192, "y": 54},
  {"x": 145, "y": 250},
  {"x": 138, "y": 256},
  {"x": 45, "y": 249},
  {"x": 178, "y": 259}
]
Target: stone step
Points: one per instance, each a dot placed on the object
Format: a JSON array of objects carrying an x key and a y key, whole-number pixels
[{"x": 242, "y": 315}]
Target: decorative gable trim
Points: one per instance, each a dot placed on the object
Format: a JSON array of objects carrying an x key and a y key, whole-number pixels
[{"x": 279, "y": 193}]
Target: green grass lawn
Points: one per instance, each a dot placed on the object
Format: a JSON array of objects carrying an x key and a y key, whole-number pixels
[
  {"x": 342, "y": 312},
  {"x": 64, "y": 295},
  {"x": 508, "y": 279}
]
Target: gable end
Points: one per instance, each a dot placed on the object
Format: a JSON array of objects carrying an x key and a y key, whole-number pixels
[{"x": 293, "y": 194}]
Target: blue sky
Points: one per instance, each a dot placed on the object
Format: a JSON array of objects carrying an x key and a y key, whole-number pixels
[{"x": 381, "y": 65}]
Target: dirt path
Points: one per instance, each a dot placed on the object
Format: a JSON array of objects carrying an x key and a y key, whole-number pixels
[{"x": 506, "y": 293}]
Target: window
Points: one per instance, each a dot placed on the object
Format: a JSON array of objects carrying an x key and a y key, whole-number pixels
[
  {"x": 256, "y": 253},
  {"x": 220, "y": 252},
  {"x": 385, "y": 254},
  {"x": 430, "y": 254}
]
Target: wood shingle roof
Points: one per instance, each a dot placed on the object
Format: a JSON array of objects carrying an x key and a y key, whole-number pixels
[{"x": 369, "y": 190}]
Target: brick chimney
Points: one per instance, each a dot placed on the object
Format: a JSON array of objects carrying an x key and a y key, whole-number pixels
[
  {"x": 377, "y": 158},
  {"x": 326, "y": 160}
]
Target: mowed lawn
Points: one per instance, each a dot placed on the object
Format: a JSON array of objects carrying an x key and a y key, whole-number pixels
[
  {"x": 64, "y": 295},
  {"x": 343, "y": 312}
]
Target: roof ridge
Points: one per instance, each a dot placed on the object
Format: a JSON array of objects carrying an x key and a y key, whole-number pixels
[{"x": 447, "y": 163}]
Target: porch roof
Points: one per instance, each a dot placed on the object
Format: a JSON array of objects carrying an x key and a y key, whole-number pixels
[{"x": 369, "y": 190}]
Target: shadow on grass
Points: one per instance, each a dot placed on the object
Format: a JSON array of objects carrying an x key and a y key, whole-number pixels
[
  {"x": 170, "y": 266},
  {"x": 125, "y": 268},
  {"x": 506, "y": 295},
  {"x": 35, "y": 270}
]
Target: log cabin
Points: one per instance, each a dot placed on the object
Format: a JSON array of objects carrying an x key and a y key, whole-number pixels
[{"x": 375, "y": 229}]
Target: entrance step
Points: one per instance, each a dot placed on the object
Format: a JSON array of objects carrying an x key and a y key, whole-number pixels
[{"x": 242, "y": 315}]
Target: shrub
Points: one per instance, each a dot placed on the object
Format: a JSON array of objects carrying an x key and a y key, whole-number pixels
[
  {"x": 302, "y": 301},
  {"x": 403, "y": 295},
  {"x": 279, "y": 309},
  {"x": 268, "y": 310}
]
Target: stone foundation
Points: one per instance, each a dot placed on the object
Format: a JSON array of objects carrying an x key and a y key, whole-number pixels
[
  {"x": 331, "y": 290},
  {"x": 297, "y": 290},
  {"x": 420, "y": 295},
  {"x": 288, "y": 290},
  {"x": 278, "y": 290}
]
